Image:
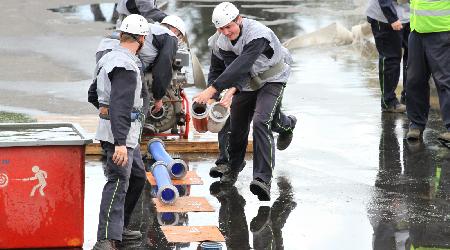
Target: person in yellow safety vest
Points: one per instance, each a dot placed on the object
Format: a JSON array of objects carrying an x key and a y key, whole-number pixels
[{"x": 429, "y": 54}]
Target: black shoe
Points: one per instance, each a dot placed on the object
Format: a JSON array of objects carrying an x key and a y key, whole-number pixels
[
  {"x": 261, "y": 220},
  {"x": 105, "y": 245},
  {"x": 218, "y": 171},
  {"x": 395, "y": 108},
  {"x": 128, "y": 234},
  {"x": 261, "y": 189},
  {"x": 285, "y": 139},
  {"x": 229, "y": 177},
  {"x": 414, "y": 134}
]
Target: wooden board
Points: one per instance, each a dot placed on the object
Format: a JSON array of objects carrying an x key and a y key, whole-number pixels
[
  {"x": 184, "y": 234},
  {"x": 174, "y": 146},
  {"x": 197, "y": 142},
  {"x": 184, "y": 204},
  {"x": 191, "y": 178}
]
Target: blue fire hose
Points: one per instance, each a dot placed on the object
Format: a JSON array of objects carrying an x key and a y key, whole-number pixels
[
  {"x": 167, "y": 192},
  {"x": 177, "y": 168}
]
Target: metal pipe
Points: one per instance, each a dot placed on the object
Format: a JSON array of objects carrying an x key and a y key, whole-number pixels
[
  {"x": 200, "y": 117},
  {"x": 177, "y": 168},
  {"x": 217, "y": 116},
  {"x": 167, "y": 192}
]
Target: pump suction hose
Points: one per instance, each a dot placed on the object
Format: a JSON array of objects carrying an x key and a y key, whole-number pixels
[
  {"x": 177, "y": 168},
  {"x": 167, "y": 192}
]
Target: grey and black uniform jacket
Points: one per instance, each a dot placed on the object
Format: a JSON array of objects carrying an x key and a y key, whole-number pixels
[
  {"x": 145, "y": 8},
  {"x": 388, "y": 11},
  {"x": 119, "y": 88},
  {"x": 157, "y": 55},
  {"x": 106, "y": 45},
  {"x": 237, "y": 63}
]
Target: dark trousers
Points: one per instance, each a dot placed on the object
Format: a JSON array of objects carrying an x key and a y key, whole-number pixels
[
  {"x": 120, "y": 193},
  {"x": 224, "y": 142},
  {"x": 429, "y": 54},
  {"x": 389, "y": 44},
  {"x": 261, "y": 107}
]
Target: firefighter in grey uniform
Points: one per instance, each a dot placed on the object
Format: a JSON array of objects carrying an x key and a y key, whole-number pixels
[
  {"x": 119, "y": 86},
  {"x": 259, "y": 73},
  {"x": 157, "y": 55},
  {"x": 146, "y": 8}
]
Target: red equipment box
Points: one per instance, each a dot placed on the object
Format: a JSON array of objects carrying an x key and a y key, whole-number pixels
[{"x": 42, "y": 185}]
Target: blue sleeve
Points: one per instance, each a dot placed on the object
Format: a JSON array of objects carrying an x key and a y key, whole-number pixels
[{"x": 123, "y": 86}]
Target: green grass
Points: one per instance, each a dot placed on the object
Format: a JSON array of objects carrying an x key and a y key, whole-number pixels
[{"x": 7, "y": 117}]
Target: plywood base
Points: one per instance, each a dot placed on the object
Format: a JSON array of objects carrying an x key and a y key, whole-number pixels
[
  {"x": 191, "y": 178},
  {"x": 184, "y": 234},
  {"x": 184, "y": 204}
]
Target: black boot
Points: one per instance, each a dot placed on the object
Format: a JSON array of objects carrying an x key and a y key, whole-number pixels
[
  {"x": 261, "y": 189},
  {"x": 261, "y": 220},
  {"x": 218, "y": 171},
  {"x": 128, "y": 234},
  {"x": 105, "y": 244},
  {"x": 285, "y": 139},
  {"x": 230, "y": 177}
]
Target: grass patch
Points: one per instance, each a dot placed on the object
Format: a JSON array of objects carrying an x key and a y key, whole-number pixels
[{"x": 7, "y": 117}]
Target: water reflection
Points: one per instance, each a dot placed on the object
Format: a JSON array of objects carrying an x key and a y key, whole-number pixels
[
  {"x": 410, "y": 207},
  {"x": 146, "y": 219},
  {"x": 105, "y": 12},
  {"x": 287, "y": 19},
  {"x": 267, "y": 224},
  {"x": 232, "y": 220}
]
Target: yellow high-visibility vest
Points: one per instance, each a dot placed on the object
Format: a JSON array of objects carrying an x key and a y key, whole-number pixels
[{"x": 429, "y": 16}]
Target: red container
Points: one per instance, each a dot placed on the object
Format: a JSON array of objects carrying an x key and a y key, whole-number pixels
[
  {"x": 200, "y": 117},
  {"x": 41, "y": 185}
]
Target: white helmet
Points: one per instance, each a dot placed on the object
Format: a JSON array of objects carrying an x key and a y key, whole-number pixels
[
  {"x": 175, "y": 22},
  {"x": 135, "y": 24},
  {"x": 223, "y": 14}
]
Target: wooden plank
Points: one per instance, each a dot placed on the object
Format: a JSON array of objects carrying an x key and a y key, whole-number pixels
[
  {"x": 184, "y": 204},
  {"x": 197, "y": 142},
  {"x": 174, "y": 146},
  {"x": 191, "y": 178},
  {"x": 185, "y": 234}
]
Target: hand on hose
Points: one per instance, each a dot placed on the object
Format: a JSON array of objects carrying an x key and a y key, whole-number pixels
[
  {"x": 120, "y": 156},
  {"x": 157, "y": 106},
  {"x": 226, "y": 99},
  {"x": 205, "y": 95},
  {"x": 397, "y": 25}
]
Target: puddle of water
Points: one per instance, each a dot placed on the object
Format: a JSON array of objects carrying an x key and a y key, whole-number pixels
[
  {"x": 104, "y": 12},
  {"x": 285, "y": 22},
  {"x": 38, "y": 134}
]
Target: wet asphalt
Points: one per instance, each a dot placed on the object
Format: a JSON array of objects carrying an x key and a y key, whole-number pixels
[{"x": 349, "y": 180}]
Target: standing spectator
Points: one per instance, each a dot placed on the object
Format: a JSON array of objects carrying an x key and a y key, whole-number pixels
[
  {"x": 389, "y": 20},
  {"x": 429, "y": 54}
]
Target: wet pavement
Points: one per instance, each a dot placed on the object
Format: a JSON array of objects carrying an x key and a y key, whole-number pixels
[{"x": 349, "y": 180}]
